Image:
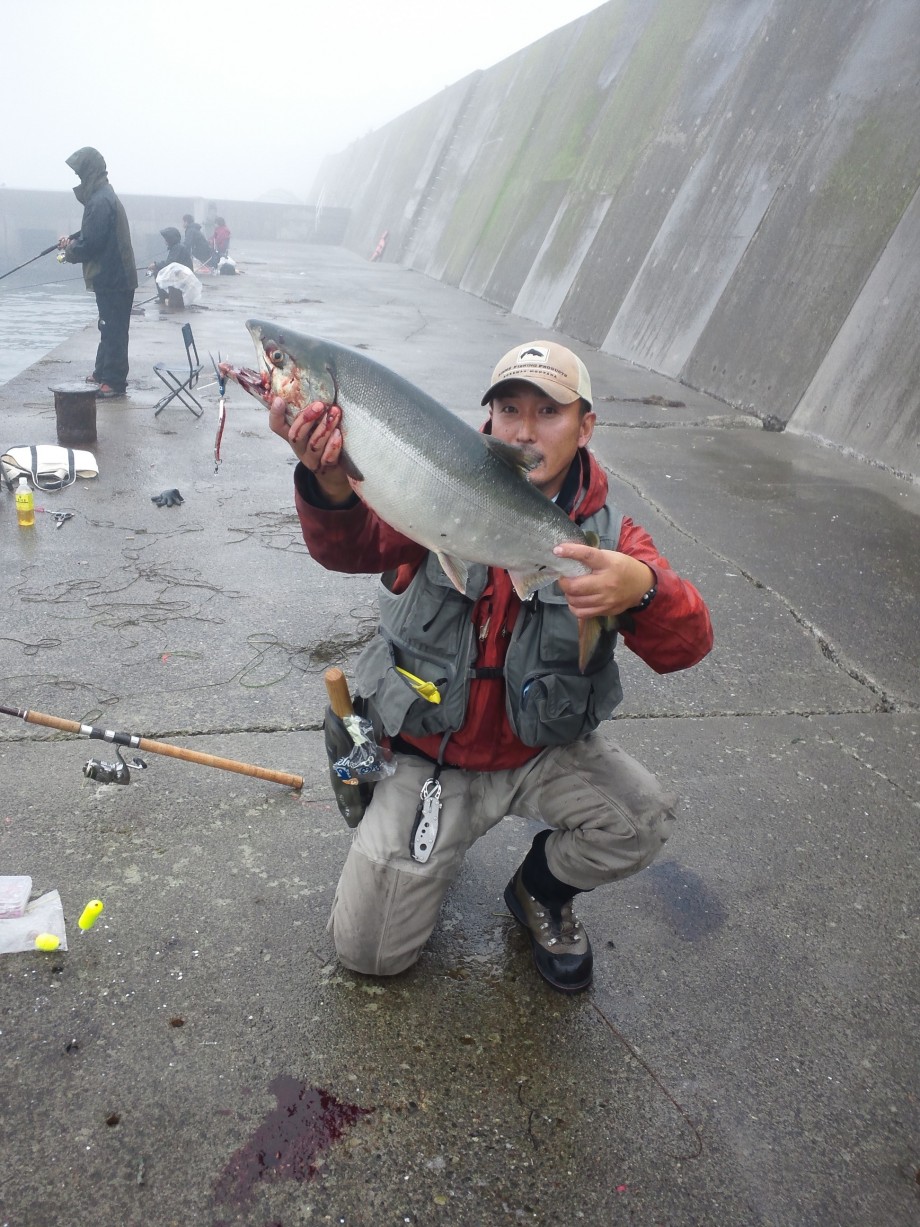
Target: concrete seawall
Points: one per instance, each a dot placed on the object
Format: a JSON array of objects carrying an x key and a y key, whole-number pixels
[{"x": 724, "y": 191}]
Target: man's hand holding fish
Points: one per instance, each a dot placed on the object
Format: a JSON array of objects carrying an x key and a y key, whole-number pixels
[{"x": 316, "y": 439}]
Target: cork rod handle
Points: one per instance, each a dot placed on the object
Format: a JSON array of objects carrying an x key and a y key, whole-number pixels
[{"x": 337, "y": 689}]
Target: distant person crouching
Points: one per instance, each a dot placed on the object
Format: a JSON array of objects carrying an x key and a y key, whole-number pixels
[{"x": 176, "y": 253}]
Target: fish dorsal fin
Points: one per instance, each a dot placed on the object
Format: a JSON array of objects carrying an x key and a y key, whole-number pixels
[
  {"x": 455, "y": 569},
  {"x": 522, "y": 459}
]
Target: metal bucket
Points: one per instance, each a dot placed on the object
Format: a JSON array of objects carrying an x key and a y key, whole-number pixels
[{"x": 75, "y": 409}]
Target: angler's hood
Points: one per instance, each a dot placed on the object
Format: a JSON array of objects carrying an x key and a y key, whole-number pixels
[
  {"x": 171, "y": 236},
  {"x": 89, "y": 165}
]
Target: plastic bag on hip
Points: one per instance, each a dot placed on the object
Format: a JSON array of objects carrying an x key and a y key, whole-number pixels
[{"x": 178, "y": 277}]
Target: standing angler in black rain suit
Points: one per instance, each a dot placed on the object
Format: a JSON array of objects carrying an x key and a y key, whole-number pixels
[{"x": 103, "y": 246}]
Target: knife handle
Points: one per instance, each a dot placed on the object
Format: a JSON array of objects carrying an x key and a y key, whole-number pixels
[{"x": 337, "y": 689}]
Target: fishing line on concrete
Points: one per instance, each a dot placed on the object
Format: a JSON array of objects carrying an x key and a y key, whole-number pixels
[
  {"x": 126, "y": 615},
  {"x": 633, "y": 1052},
  {"x": 35, "y": 681},
  {"x": 69, "y": 592},
  {"x": 38, "y": 285},
  {"x": 301, "y": 658},
  {"x": 32, "y": 649}
]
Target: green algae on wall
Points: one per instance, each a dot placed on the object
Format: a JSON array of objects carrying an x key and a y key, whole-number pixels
[
  {"x": 875, "y": 178},
  {"x": 644, "y": 92},
  {"x": 628, "y": 121}
]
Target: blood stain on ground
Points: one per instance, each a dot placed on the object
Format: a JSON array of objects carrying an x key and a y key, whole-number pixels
[{"x": 288, "y": 1143}]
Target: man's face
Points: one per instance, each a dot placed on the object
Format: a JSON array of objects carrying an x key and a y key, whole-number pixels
[{"x": 525, "y": 416}]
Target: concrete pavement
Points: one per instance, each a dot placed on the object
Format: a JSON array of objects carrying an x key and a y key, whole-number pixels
[{"x": 749, "y": 1052}]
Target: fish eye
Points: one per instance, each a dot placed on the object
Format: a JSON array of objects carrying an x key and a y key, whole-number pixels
[{"x": 275, "y": 356}]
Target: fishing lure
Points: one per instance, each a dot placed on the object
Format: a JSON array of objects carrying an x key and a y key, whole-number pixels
[{"x": 221, "y": 410}]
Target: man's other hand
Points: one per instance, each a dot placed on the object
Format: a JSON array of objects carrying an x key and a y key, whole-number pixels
[{"x": 616, "y": 582}]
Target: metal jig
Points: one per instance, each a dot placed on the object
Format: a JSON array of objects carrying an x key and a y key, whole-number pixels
[{"x": 222, "y": 410}]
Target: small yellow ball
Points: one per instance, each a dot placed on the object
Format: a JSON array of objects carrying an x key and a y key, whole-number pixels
[{"x": 47, "y": 941}]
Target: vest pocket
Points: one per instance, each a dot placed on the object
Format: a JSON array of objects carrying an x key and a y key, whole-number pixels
[
  {"x": 558, "y": 629},
  {"x": 394, "y": 703},
  {"x": 555, "y": 709},
  {"x": 376, "y": 679}
]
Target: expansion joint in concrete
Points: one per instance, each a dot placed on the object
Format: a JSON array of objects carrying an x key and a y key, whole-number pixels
[
  {"x": 718, "y": 421},
  {"x": 887, "y": 702}
]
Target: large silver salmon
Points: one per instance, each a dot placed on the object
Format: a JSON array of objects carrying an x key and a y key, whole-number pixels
[{"x": 462, "y": 494}]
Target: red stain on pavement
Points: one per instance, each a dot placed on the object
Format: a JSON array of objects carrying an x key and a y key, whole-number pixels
[{"x": 288, "y": 1143}]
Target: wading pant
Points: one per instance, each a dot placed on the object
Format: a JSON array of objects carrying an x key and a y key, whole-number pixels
[
  {"x": 611, "y": 818},
  {"x": 114, "y": 308}
]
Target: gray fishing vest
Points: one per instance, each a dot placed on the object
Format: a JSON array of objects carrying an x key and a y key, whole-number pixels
[{"x": 428, "y": 631}]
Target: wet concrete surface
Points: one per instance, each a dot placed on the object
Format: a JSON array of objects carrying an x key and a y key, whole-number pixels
[{"x": 749, "y": 1052}]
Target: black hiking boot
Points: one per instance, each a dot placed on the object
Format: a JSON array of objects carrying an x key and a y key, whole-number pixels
[{"x": 561, "y": 949}]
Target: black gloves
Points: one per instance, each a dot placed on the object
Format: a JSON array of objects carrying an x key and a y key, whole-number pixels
[{"x": 169, "y": 498}]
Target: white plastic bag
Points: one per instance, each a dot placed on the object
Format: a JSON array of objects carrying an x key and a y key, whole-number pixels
[
  {"x": 14, "y": 895},
  {"x": 178, "y": 277},
  {"x": 44, "y": 915}
]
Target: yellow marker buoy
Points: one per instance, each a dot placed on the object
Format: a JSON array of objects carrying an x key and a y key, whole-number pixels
[
  {"x": 90, "y": 914},
  {"x": 47, "y": 941}
]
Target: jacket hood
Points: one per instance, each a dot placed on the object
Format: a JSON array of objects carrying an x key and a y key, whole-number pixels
[
  {"x": 192, "y": 227},
  {"x": 87, "y": 163},
  {"x": 171, "y": 235},
  {"x": 593, "y": 492}
]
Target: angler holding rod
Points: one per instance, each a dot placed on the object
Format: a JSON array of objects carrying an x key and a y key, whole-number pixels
[
  {"x": 103, "y": 246},
  {"x": 506, "y": 575}
]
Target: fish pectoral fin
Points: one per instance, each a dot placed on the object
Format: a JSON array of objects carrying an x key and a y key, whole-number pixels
[
  {"x": 350, "y": 467},
  {"x": 526, "y": 583},
  {"x": 521, "y": 459},
  {"x": 455, "y": 569}
]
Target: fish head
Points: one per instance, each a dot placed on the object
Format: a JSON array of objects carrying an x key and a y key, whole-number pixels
[{"x": 297, "y": 368}]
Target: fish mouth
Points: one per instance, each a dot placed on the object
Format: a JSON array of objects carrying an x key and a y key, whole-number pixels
[{"x": 256, "y": 383}]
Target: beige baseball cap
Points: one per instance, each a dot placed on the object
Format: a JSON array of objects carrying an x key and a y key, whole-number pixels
[{"x": 552, "y": 368}]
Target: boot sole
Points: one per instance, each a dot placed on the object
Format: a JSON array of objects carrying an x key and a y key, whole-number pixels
[{"x": 514, "y": 907}]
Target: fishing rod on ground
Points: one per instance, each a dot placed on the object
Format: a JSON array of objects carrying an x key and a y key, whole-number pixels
[
  {"x": 46, "y": 252},
  {"x": 118, "y": 773}
]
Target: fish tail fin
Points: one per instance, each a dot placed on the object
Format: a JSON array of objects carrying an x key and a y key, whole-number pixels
[{"x": 589, "y": 634}]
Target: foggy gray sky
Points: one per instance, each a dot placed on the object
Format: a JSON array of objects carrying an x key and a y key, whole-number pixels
[{"x": 232, "y": 100}]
